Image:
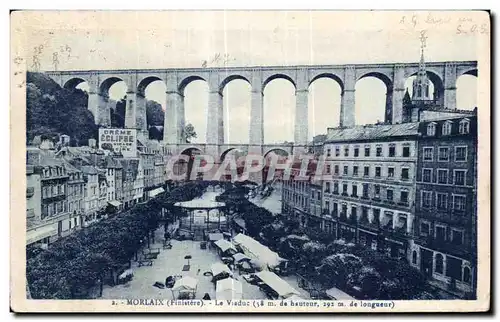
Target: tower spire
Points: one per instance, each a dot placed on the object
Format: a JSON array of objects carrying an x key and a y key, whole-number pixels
[
  {"x": 421, "y": 82},
  {"x": 423, "y": 39}
]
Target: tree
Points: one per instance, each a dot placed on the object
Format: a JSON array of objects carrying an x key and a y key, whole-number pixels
[
  {"x": 154, "y": 113},
  {"x": 189, "y": 132},
  {"x": 155, "y": 133}
]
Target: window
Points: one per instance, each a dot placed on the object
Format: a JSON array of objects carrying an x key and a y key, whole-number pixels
[
  {"x": 426, "y": 175},
  {"x": 443, "y": 154},
  {"x": 440, "y": 233},
  {"x": 346, "y": 170},
  {"x": 442, "y": 176},
  {"x": 335, "y": 187},
  {"x": 428, "y": 153},
  {"x": 442, "y": 200},
  {"x": 446, "y": 130},
  {"x": 378, "y": 171},
  {"x": 390, "y": 195},
  {"x": 366, "y": 171},
  {"x": 461, "y": 153},
  {"x": 431, "y": 129},
  {"x": 466, "y": 274},
  {"x": 377, "y": 191},
  {"x": 354, "y": 190},
  {"x": 439, "y": 264},
  {"x": 354, "y": 212},
  {"x": 376, "y": 214},
  {"x": 356, "y": 151},
  {"x": 457, "y": 237},
  {"x": 424, "y": 229},
  {"x": 392, "y": 151},
  {"x": 390, "y": 172},
  {"x": 335, "y": 208},
  {"x": 328, "y": 152},
  {"x": 459, "y": 177},
  {"x": 426, "y": 199},
  {"x": 328, "y": 169},
  {"x": 459, "y": 202},
  {"x": 404, "y": 196},
  {"x": 327, "y": 188},
  {"x": 367, "y": 151},
  {"x": 365, "y": 190},
  {"x": 344, "y": 188},
  {"x": 337, "y": 151},
  {"x": 464, "y": 126},
  {"x": 355, "y": 170},
  {"x": 405, "y": 173},
  {"x": 379, "y": 151},
  {"x": 336, "y": 169},
  {"x": 406, "y": 152},
  {"x": 346, "y": 151},
  {"x": 414, "y": 257}
]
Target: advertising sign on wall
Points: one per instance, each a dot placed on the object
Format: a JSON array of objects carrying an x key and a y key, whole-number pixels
[{"x": 119, "y": 140}]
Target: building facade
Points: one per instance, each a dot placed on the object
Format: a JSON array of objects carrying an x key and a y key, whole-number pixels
[
  {"x": 91, "y": 178},
  {"x": 445, "y": 247},
  {"x": 76, "y": 199},
  {"x": 370, "y": 185}
]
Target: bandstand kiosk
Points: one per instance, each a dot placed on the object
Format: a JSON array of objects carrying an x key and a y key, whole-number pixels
[{"x": 203, "y": 216}]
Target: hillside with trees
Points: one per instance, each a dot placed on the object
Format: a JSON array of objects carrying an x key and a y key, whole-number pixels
[{"x": 51, "y": 110}]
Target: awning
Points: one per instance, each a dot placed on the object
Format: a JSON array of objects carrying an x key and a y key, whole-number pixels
[
  {"x": 137, "y": 196},
  {"x": 37, "y": 234},
  {"x": 115, "y": 203},
  {"x": 336, "y": 294},
  {"x": 155, "y": 192},
  {"x": 186, "y": 283},
  {"x": 228, "y": 289},
  {"x": 219, "y": 268},
  {"x": 215, "y": 236},
  {"x": 277, "y": 284},
  {"x": 224, "y": 245}
]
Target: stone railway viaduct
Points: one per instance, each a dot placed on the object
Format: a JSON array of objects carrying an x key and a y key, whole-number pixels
[{"x": 444, "y": 76}]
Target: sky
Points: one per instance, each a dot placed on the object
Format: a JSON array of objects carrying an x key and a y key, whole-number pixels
[{"x": 121, "y": 40}]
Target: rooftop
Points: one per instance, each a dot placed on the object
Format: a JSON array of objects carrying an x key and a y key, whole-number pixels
[{"x": 371, "y": 132}]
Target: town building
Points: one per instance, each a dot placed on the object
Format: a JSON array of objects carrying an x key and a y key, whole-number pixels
[
  {"x": 103, "y": 190},
  {"x": 91, "y": 178},
  {"x": 38, "y": 232},
  {"x": 130, "y": 175},
  {"x": 75, "y": 198},
  {"x": 370, "y": 195},
  {"x": 53, "y": 186},
  {"x": 445, "y": 233},
  {"x": 113, "y": 171}
]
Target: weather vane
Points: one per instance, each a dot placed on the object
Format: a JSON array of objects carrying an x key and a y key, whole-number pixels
[{"x": 423, "y": 38}]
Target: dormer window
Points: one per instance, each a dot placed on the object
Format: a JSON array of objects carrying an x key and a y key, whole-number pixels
[
  {"x": 431, "y": 129},
  {"x": 464, "y": 126},
  {"x": 446, "y": 128}
]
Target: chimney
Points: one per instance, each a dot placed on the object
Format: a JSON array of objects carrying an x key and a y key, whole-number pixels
[{"x": 92, "y": 143}]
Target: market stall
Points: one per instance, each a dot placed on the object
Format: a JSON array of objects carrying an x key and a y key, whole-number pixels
[
  {"x": 228, "y": 289},
  {"x": 185, "y": 288},
  {"x": 255, "y": 250},
  {"x": 220, "y": 271},
  {"x": 276, "y": 285}
]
